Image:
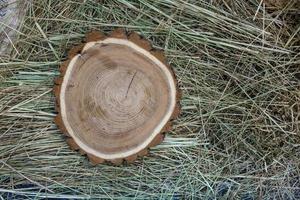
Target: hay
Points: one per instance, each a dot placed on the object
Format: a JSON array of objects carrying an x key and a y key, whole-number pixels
[
  {"x": 11, "y": 15},
  {"x": 237, "y": 137}
]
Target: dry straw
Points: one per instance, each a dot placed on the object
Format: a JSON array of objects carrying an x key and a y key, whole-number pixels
[
  {"x": 237, "y": 64},
  {"x": 11, "y": 15}
]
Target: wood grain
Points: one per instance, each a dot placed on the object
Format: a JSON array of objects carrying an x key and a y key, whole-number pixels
[{"x": 115, "y": 97}]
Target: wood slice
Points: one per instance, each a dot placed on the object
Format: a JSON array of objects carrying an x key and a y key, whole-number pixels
[{"x": 115, "y": 97}]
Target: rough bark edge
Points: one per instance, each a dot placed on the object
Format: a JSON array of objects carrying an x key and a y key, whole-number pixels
[{"x": 140, "y": 41}]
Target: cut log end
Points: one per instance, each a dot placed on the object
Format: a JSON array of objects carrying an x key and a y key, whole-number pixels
[
  {"x": 94, "y": 36},
  {"x": 119, "y": 33},
  {"x": 116, "y": 101},
  {"x": 138, "y": 40}
]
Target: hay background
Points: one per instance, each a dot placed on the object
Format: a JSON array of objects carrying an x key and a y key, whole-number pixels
[
  {"x": 11, "y": 17},
  {"x": 237, "y": 137}
]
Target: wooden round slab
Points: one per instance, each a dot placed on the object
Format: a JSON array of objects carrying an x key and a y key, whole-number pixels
[{"x": 116, "y": 97}]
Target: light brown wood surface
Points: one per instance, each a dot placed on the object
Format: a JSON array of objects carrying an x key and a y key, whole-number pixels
[{"x": 115, "y": 97}]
